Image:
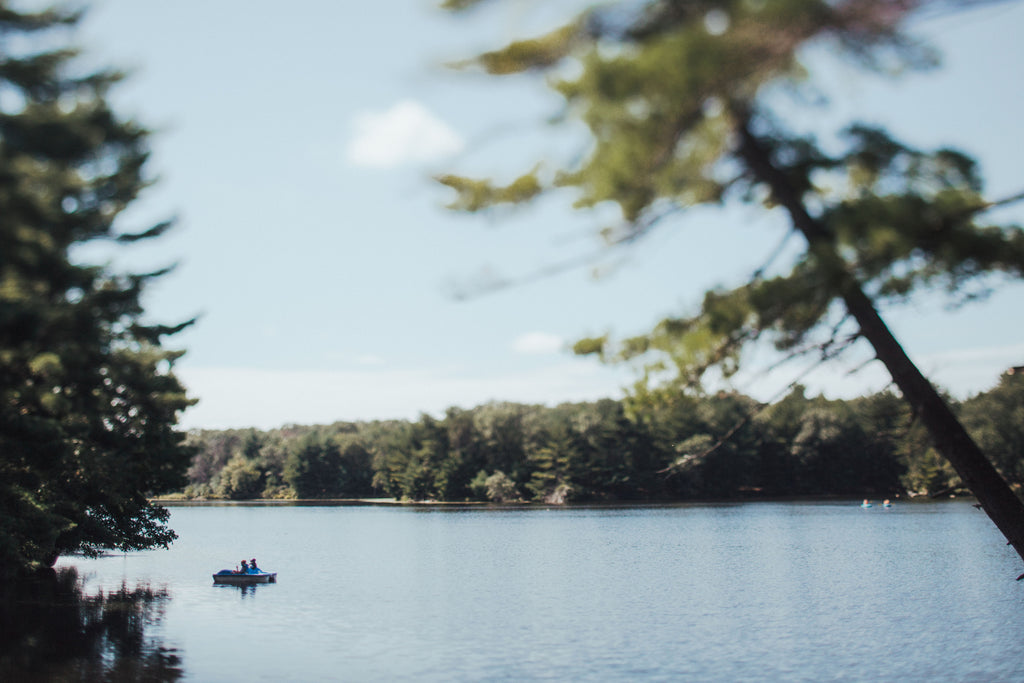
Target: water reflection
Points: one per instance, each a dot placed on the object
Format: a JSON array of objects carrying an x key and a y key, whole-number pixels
[
  {"x": 245, "y": 590},
  {"x": 52, "y": 629}
]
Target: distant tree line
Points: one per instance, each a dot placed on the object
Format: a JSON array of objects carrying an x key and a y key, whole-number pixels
[{"x": 686, "y": 448}]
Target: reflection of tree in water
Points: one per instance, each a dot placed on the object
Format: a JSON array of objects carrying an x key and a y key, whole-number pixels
[{"x": 50, "y": 629}]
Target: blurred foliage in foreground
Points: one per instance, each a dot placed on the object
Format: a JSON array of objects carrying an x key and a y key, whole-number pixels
[{"x": 89, "y": 401}]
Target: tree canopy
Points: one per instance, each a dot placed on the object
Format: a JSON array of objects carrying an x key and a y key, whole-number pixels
[
  {"x": 682, "y": 100},
  {"x": 88, "y": 399},
  {"x": 614, "y": 450}
]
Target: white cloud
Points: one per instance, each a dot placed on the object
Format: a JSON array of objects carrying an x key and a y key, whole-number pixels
[
  {"x": 407, "y": 133},
  {"x": 538, "y": 343}
]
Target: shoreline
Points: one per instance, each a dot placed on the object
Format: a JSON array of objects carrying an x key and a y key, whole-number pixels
[{"x": 394, "y": 502}]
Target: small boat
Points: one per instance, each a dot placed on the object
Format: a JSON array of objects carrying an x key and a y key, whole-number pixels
[{"x": 230, "y": 578}]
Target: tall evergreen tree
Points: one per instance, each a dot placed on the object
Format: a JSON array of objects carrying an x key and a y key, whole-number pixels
[
  {"x": 88, "y": 400},
  {"x": 680, "y": 98}
]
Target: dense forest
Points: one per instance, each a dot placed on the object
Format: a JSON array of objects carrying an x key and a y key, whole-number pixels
[{"x": 706, "y": 447}]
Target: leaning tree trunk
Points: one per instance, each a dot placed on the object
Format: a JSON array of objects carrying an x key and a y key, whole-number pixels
[{"x": 947, "y": 433}]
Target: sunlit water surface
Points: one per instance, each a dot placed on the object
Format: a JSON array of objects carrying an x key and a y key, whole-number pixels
[{"x": 747, "y": 592}]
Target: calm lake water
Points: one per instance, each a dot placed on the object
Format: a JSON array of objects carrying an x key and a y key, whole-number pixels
[{"x": 745, "y": 592}]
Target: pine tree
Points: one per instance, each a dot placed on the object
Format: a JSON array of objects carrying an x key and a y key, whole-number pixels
[
  {"x": 88, "y": 399},
  {"x": 680, "y": 98}
]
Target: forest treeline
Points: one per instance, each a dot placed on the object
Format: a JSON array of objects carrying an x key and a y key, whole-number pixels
[{"x": 708, "y": 447}]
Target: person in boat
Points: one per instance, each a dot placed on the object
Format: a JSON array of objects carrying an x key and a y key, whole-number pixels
[
  {"x": 253, "y": 569},
  {"x": 245, "y": 568}
]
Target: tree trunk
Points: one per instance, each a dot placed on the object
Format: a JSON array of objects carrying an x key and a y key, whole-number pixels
[{"x": 947, "y": 433}]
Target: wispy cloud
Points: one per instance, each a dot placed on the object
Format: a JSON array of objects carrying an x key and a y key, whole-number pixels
[
  {"x": 961, "y": 372},
  {"x": 969, "y": 371},
  {"x": 247, "y": 397},
  {"x": 538, "y": 343},
  {"x": 407, "y": 133}
]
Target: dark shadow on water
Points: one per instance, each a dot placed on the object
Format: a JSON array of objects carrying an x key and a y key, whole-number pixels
[{"x": 52, "y": 629}]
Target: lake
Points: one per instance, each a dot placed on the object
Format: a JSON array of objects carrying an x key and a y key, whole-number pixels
[{"x": 807, "y": 591}]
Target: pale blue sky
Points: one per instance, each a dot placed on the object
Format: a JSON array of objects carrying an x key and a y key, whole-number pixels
[{"x": 295, "y": 143}]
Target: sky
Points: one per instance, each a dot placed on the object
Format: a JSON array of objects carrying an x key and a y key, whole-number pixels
[{"x": 295, "y": 145}]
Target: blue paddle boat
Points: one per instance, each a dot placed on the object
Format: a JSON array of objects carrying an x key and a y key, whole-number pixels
[{"x": 248, "y": 578}]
